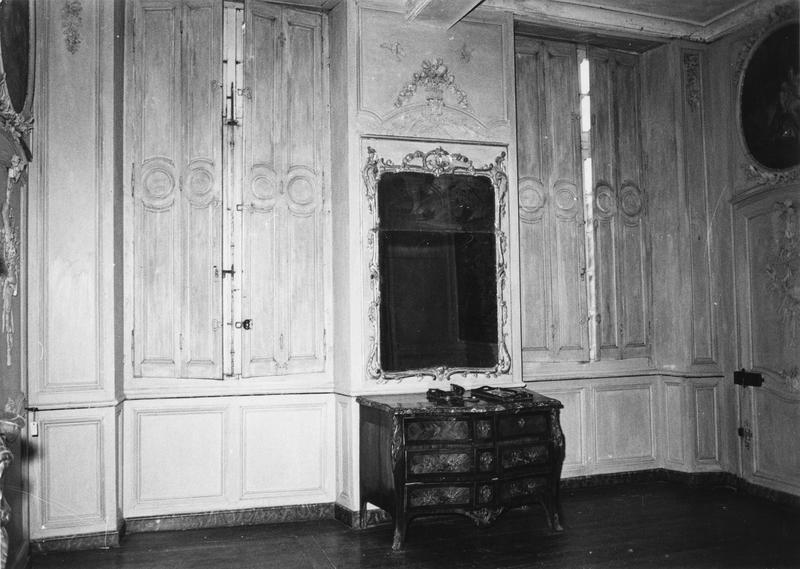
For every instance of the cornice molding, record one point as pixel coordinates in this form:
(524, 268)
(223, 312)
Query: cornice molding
(633, 24)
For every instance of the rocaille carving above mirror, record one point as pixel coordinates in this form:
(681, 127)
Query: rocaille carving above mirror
(437, 266)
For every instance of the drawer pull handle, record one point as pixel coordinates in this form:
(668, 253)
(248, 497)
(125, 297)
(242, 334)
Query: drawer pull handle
(521, 422)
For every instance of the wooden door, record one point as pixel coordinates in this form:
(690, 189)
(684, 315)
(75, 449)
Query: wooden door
(767, 268)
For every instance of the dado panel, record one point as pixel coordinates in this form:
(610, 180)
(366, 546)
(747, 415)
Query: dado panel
(624, 424)
(73, 489)
(286, 451)
(184, 454)
(224, 453)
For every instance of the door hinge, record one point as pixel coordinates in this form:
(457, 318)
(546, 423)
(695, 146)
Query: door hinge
(180, 342)
(133, 345)
(133, 177)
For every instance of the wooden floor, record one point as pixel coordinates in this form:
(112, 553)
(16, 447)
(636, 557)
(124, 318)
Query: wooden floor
(641, 525)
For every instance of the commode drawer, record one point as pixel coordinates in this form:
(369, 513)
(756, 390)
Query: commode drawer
(437, 430)
(522, 425)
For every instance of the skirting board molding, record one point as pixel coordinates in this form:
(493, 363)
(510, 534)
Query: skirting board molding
(100, 540)
(230, 518)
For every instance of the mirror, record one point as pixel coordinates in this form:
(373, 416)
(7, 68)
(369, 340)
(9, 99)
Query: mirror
(438, 266)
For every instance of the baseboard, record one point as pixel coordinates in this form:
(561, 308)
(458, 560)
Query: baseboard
(101, 540)
(21, 560)
(230, 518)
(353, 519)
(706, 479)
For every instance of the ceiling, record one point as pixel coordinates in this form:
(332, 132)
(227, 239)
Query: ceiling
(699, 20)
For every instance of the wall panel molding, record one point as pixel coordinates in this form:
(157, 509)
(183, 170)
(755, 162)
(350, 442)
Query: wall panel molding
(73, 464)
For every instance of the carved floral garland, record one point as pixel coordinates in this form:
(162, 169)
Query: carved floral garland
(783, 272)
(435, 78)
(9, 270)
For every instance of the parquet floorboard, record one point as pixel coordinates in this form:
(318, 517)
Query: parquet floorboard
(659, 524)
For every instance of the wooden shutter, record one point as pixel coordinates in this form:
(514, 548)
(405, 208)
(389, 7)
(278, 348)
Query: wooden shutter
(621, 247)
(282, 227)
(262, 185)
(551, 204)
(201, 185)
(304, 122)
(176, 144)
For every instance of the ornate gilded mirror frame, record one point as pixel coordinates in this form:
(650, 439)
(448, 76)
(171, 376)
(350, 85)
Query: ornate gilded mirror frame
(782, 17)
(16, 69)
(437, 162)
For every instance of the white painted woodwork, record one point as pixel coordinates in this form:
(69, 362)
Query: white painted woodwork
(475, 98)
(80, 498)
(177, 179)
(221, 453)
(70, 318)
(771, 457)
(706, 409)
(442, 13)
(552, 255)
(283, 222)
(696, 188)
(181, 245)
(624, 424)
(674, 431)
(621, 247)
(701, 21)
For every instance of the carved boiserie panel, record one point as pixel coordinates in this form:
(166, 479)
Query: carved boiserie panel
(434, 83)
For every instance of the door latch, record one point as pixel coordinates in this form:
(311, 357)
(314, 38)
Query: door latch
(746, 433)
(247, 324)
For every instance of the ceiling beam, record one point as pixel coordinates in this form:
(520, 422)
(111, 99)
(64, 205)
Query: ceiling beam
(439, 13)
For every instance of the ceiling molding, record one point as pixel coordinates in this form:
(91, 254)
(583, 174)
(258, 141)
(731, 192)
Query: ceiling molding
(600, 19)
(439, 13)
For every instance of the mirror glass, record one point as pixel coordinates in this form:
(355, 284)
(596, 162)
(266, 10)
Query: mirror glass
(438, 271)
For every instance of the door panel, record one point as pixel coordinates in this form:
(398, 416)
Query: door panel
(261, 191)
(202, 191)
(767, 257)
(157, 148)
